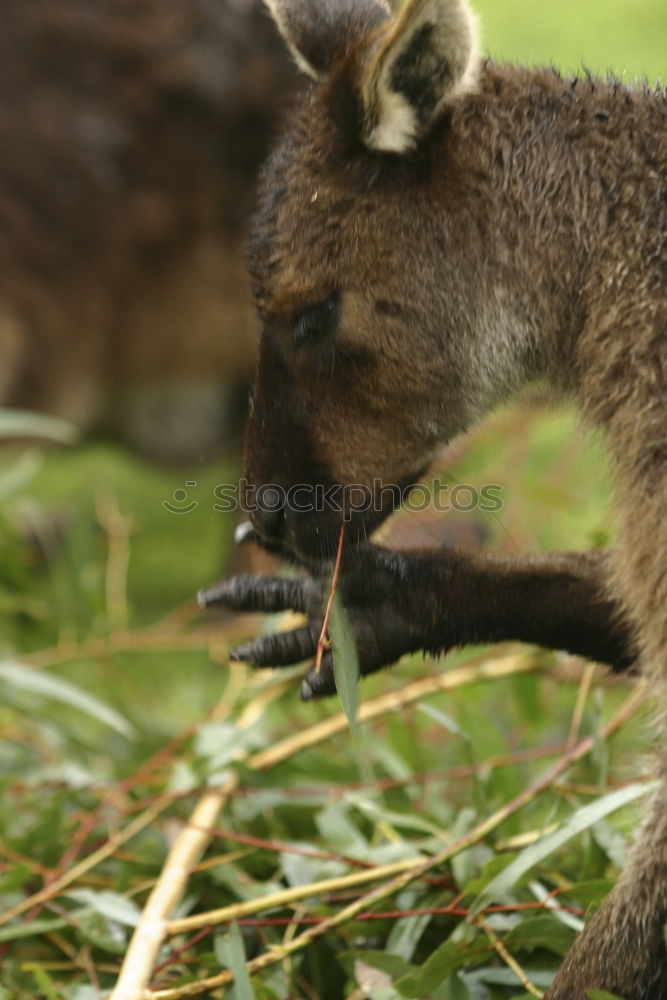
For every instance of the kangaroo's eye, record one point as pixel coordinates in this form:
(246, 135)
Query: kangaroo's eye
(316, 322)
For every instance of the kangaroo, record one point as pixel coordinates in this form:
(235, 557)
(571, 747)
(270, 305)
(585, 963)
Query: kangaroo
(131, 133)
(434, 231)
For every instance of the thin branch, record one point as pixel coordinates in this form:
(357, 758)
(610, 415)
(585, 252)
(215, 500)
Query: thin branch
(580, 704)
(508, 959)
(323, 641)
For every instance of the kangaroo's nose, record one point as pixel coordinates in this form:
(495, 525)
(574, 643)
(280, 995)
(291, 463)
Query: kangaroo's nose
(268, 517)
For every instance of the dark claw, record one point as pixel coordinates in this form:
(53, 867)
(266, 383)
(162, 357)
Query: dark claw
(306, 690)
(253, 592)
(280, 649)
(320, 684)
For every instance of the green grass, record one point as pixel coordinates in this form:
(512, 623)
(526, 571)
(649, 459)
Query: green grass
(96, 600)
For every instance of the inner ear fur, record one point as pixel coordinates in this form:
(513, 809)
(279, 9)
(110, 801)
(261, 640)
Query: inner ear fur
(426, 58)
(321, 32)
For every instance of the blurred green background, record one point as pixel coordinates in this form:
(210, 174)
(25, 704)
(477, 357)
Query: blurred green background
(616, 36)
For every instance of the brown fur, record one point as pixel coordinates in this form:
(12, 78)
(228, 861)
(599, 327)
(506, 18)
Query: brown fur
(519, 233)
(131, 131)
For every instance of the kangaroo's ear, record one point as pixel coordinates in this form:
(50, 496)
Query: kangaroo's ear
(427, 57)
(320, 31)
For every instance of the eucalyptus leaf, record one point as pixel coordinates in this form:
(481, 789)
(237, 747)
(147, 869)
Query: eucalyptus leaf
(107, 934)
(80, 991)
(108, 904)
(541, 932)
(230, 951)
(581, 820)
(48, 685)
(376, 984)
(43, 980)
(450, 956)
(406, 932)
(392, 965)
(561, 914)
(345, 659)
(31, 928)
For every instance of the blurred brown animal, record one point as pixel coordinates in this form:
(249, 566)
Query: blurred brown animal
(436, 231)
(131, 132)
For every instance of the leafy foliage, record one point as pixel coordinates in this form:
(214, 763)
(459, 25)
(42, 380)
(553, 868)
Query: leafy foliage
(116, 719)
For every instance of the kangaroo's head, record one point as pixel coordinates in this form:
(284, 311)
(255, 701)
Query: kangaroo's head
(369, 263)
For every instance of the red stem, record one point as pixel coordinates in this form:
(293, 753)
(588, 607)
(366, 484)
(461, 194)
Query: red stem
(322, 642)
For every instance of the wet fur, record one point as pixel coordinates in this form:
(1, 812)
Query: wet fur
(522, 236)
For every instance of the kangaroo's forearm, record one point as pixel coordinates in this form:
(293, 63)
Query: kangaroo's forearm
(558, 600)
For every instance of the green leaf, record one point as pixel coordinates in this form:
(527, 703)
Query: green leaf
(102, 932)
(48, 685)
(393, 965)
(581, 820)
(32, 928)
(110, 905)
(541, 932)
(376, 984)
(25, 424)
(80, 991)
(345, 659)
(591, 892)
(406, 932)
(493, 976)
(602, 995)
(555, 907)
(220, 743)
(43, 980)
(450, 956)
(230, 952)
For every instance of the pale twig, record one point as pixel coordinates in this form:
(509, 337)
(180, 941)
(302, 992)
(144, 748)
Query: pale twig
(508, 959)
(580, 704)
(286, 897)
(183, 856)
(168, 637)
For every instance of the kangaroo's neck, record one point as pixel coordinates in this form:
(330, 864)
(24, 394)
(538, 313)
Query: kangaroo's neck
(572, 176)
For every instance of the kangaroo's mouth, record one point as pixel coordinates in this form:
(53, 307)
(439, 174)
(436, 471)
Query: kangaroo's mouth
(309, 536)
